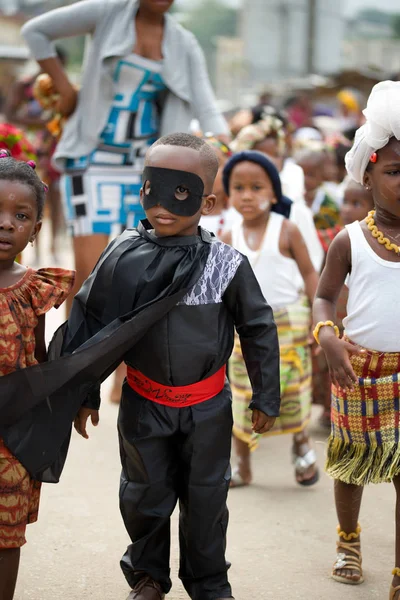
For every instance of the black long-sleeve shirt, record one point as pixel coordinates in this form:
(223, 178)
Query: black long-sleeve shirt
(194, 339)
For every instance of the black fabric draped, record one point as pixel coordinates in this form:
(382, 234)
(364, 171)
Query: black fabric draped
(138, 276)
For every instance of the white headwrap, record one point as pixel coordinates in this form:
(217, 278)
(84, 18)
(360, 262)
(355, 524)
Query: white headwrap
(383, 122)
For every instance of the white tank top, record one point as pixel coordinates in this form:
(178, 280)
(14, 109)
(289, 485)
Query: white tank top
(275, 273)
(373, 310)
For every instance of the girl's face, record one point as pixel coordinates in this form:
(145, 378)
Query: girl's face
(251, 191)
(156, 6)
(384, 179)
(357, 203)
(18, 218)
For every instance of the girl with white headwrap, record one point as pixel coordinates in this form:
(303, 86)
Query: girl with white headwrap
(365, 364)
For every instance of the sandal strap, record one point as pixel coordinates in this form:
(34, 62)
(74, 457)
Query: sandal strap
(350, 548)
(393, 591)
(347, 563)
(302, 463)
(351, 561)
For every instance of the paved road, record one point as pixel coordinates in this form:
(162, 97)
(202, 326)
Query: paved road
(281, 537)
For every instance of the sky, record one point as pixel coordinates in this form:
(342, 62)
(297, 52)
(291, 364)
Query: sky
(351, 6)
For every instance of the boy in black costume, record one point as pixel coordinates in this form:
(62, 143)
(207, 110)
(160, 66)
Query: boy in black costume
(175, 419)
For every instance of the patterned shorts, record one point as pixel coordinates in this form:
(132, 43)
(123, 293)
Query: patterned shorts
(19, 500)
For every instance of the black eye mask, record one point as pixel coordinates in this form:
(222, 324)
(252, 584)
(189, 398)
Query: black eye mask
(179, 192)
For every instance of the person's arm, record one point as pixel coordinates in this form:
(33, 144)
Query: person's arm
(337, 351)
(40, 343)
(299, 251)
(14, 101)
(257, 331)
(202, 94)
(302, 216)
(41, 32)
(82, 325)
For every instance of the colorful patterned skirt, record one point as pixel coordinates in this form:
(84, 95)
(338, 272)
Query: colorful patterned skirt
(19, 500)
(364, 442)
(293, 323)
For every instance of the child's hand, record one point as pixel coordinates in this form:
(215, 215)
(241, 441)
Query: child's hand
(261, 422)
(338, 354)
(81, 420)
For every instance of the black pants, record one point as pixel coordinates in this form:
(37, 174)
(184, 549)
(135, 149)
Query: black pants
(171, 454)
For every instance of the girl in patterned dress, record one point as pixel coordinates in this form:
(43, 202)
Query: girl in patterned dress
(25, 296)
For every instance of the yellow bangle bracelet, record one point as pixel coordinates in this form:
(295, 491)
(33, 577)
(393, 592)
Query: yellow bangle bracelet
(325, 324)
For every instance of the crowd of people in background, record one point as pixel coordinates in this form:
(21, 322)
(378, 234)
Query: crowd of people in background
(282, 196)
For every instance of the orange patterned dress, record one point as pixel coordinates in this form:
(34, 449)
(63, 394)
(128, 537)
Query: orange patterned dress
(20, 306)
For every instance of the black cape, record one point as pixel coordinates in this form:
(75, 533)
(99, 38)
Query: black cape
(139, 277)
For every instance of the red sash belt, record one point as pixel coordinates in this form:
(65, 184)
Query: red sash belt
(179, 396)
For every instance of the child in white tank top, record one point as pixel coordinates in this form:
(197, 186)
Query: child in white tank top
(276, 250)
(365, 364)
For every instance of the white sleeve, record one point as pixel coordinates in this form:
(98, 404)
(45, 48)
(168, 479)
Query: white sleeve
(301, 215)
(78, 19)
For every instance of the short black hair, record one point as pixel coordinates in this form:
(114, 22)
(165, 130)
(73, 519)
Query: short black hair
(17, 170)
(207, 155)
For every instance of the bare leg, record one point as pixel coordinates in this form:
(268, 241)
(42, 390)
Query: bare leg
(56, 214)
(243, 462)
(396, 579)
(9, 563)
(119, 376)
(87, 250)
(348, 503)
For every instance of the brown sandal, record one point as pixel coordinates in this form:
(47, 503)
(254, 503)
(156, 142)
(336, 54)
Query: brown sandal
(348, 561)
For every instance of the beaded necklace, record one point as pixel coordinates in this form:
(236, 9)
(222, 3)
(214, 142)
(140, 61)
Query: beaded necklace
(378, 235)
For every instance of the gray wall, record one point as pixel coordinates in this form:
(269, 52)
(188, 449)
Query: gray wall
(275, 34)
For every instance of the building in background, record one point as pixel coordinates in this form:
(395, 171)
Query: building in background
(291, 38)
(280, 40)
(372, 41)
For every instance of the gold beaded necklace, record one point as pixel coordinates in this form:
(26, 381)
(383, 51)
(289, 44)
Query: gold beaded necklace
(378, 235)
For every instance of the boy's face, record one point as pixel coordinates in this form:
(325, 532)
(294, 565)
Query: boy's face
(357, 203)
(164, 222)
